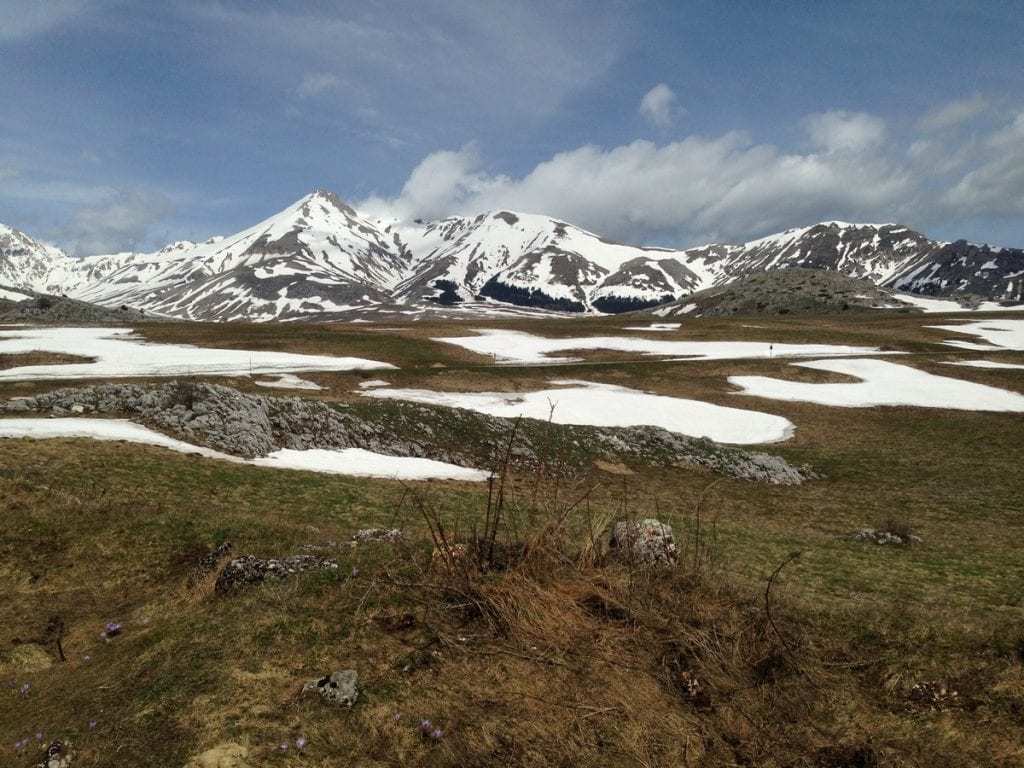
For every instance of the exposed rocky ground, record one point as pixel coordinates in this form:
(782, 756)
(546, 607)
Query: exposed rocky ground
(253, 425)
(45, 309)
(795, 291)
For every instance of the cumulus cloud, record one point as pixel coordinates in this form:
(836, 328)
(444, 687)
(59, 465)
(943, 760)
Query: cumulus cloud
(839, 131)
(659, 105)
(725, 187)
(120, 223)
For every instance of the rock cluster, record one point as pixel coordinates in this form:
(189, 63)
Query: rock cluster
(647, 542)
(885, 538)
(250, 425)
(58, 755)
(250, 569)
(377, 534)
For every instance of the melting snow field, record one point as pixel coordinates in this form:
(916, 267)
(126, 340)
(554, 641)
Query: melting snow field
(288, 381)
(350, 461)
(605, 405)
(987, 364)
(883, 383)
(1000, 335)
(117, 354)
(518, 347)
(356, 461)
(935, 306)
(654, 327)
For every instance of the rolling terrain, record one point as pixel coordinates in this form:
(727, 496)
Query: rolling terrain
(778, 639)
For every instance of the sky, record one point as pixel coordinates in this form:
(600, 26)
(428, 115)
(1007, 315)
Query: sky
(130, 124)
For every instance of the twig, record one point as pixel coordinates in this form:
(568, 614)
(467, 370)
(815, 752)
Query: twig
(768, 603)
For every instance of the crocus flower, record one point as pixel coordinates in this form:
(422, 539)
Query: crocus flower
(113, 628)
(425, 726)
(300, 742)
(92, 725)
(25, 689)
(398, 716)
(437, 734)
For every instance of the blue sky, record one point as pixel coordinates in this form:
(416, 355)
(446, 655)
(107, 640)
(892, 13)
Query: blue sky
(132, 124)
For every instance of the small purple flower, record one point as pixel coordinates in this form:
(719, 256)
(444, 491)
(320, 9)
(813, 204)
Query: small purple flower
(21, 744)
(426, 725)
(25, 689)
(113, 628)
(300, 742)
(10, 683)
(39, 735)
(87, 658)
(283, 746)
(355, 572)
(397, 716)
(437, 734)
(92, 725)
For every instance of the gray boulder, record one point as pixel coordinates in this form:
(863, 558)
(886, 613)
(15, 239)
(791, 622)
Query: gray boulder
(340, 688)
(647, 542)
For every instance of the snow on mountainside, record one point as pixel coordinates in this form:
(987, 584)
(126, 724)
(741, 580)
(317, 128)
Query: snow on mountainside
(531, 260)
(315, 257)
(319, 259)
(24, 262)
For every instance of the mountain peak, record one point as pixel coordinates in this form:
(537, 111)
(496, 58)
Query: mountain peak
(326, 196)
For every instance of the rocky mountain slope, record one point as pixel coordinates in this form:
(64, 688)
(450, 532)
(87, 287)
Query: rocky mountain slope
(319, 259)
(795, 290)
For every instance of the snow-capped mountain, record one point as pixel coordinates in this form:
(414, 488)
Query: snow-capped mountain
(532, 260)
(319, 259)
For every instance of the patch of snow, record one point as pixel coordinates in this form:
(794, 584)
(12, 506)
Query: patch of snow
(351, 461)
(883, 383)
(356, 461)
(103, 429)
(935, 306)
(520, 348)
(117, 354)
(654, 327)
(1001, 334)
(374, 383)
(606, 405)
(987, 364)
(288, 381)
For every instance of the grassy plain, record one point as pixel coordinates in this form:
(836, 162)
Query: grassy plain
(847, 656)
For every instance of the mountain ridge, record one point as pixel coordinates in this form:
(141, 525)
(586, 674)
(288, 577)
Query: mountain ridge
(319, 259)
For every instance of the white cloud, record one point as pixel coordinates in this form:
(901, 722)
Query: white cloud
(725, 187)
(659, 105)
(119, 223)
(996, 186)
(839, 131)
(954, 113)
(315, 83)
